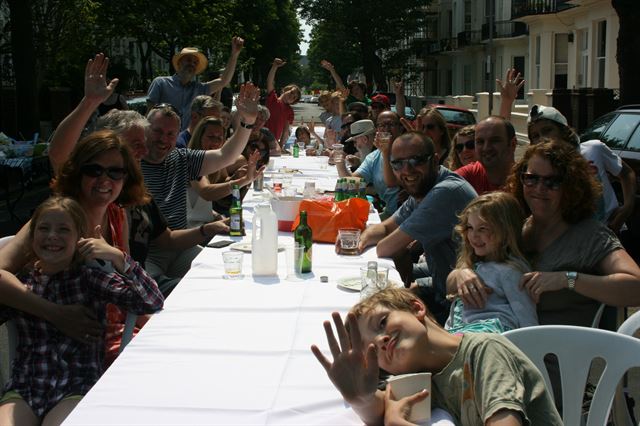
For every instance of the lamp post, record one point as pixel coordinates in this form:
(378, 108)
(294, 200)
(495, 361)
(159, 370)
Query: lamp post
(491, 78)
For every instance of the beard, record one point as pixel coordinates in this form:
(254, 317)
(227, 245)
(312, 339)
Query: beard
(364, 151)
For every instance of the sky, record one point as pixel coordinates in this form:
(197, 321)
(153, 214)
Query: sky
(306, 33)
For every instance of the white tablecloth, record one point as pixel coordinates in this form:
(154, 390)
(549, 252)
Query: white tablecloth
(233, 351)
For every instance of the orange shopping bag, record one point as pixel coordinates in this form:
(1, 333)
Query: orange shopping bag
(325, 217)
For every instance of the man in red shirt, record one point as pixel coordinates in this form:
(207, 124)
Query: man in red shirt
(495, 147)
(280, 106)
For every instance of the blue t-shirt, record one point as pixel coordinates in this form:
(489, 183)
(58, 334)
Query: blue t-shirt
(183, 139)
(170, 90)
(431, 222)
(371, 171)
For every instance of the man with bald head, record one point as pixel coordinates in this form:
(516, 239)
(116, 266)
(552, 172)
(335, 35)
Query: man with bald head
(495, 147)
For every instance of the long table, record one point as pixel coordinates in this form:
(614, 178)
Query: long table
(235, 352)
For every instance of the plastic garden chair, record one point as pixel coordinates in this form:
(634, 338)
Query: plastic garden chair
(621, 413)
(575, 349)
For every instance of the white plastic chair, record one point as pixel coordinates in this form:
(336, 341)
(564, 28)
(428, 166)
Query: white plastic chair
(575, 349)
(620, 410)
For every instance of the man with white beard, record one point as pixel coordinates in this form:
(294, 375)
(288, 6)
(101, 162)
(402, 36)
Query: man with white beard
(372, 166)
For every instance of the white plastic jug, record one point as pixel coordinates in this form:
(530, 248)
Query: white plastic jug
(264, 241)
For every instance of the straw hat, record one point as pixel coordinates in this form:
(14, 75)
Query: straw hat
(202, 60)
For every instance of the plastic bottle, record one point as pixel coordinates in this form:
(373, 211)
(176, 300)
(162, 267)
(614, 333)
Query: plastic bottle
(302, 235)
(235, 213)
(264, 241)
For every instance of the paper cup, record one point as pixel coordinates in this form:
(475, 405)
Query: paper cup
(409, 384)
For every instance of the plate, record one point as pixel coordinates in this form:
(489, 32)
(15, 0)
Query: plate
(355, 283)
(246, 246)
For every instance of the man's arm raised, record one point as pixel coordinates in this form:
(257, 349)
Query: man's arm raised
(247, 107)
(219, 83)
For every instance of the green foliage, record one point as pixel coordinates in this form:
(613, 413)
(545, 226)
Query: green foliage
(358, 33)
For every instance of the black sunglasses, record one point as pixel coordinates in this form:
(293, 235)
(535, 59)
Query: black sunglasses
(550, 182)
(430, 126)
(415, 161)
(470, 144)
(387, 125)
(165, 105)
(96, 170)
(346, 125)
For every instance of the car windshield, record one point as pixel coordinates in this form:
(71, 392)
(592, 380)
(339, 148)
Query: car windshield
(595, 130)
(457, 117)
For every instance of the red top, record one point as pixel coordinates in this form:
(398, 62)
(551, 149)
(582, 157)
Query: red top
(476, 175)
(281, 115)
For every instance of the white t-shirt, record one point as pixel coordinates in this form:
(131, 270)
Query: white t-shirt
(600, 156)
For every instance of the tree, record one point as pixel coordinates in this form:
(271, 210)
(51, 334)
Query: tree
(374, 27)
(626, 55)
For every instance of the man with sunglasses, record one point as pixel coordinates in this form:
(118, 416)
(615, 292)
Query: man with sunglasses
(495, 146)
(436, 196)
(181, 88)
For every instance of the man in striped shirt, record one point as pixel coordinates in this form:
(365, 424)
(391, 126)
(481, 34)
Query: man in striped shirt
(168, 172)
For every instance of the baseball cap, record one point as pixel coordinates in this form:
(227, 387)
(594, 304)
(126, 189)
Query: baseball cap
(381, 99)
(539, 112)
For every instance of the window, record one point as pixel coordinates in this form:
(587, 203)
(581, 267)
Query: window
(583, 70)
(620, 130)
(634, 142)
(467, 15)
(537, 61)
(561, 60)
(601, 52)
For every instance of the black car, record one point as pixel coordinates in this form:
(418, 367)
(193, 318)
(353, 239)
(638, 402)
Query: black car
(620, 130)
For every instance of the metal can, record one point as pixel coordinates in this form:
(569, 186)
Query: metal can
(258, 183)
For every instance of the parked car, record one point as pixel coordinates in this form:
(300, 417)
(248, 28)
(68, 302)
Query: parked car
(409, 113)
(138, 104)
(620, 130)
(455, 117)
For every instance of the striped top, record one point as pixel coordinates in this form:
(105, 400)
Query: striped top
(168, 182)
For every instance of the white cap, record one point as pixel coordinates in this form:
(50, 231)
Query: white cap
(539, 112)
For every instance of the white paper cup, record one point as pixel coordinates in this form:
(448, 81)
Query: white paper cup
(409, 384)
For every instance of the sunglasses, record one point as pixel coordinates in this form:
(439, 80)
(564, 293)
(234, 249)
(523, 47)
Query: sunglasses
(550, 182)
(430, 126)
(412, 162)
(165, 105)
(346, 125)
(96, 170)
(470, 144)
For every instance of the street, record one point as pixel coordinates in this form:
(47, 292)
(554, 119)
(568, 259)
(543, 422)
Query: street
(306, 112)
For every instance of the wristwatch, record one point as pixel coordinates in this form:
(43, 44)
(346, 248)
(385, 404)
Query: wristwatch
(245, 125)
(572, 276)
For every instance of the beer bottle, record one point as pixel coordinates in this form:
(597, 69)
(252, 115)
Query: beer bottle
(235, 213)
(302, 235)
(296, 149)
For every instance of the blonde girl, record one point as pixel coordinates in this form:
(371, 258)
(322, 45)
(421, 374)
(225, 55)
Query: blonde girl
(51, 371)
(490, 230)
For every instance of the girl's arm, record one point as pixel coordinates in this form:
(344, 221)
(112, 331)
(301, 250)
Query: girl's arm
(134, 290)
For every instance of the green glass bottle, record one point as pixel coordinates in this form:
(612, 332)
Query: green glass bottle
(302, 235)
(235, 213)
(296, 150)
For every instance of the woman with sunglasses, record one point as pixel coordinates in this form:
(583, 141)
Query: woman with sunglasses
(464, 148)
(579, 263)
(431, 122)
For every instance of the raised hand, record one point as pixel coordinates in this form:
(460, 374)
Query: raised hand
(511, 85)
(277, 62)
(354, 370)
(327, 65)
(96, 87)
(398, 87)
(237, 44)
(254, 157)
(409, 126)
(247, 102)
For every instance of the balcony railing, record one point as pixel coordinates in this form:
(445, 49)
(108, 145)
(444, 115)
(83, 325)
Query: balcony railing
(469, 38)
(504, 29)
(520, 8)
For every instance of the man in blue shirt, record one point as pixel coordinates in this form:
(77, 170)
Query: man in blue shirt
(180, 89)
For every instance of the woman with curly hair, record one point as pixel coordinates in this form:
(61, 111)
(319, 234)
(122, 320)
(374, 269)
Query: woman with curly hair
(578, 262)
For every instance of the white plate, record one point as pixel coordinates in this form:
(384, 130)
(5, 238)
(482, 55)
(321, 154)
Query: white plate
(355, 283)
(246, 246)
